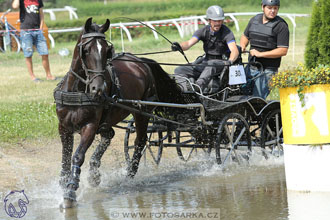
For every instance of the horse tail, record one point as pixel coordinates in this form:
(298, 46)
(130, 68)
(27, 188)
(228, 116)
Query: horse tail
(166, 87)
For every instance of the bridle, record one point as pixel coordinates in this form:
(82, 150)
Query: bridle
(89, 72)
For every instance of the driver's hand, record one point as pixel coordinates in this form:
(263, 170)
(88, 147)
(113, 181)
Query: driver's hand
(176, 47)
(228, 62)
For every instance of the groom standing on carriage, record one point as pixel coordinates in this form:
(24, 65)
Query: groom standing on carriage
(268, 36)
(218, 43)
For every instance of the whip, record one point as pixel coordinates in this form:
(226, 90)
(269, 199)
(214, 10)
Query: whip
(132, 19)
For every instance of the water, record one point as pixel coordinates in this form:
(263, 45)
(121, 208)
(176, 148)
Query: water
(254, 191)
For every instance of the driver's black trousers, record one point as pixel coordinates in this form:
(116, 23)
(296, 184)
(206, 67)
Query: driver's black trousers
(200, 74)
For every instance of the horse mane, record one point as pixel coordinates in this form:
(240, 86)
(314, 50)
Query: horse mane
(167, 88)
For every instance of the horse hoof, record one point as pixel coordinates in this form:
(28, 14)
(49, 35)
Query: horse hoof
(94, 178)
(63, 182)
(68, 204)
(130, 175)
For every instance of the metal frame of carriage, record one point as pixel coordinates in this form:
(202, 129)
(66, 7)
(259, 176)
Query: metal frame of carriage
(225, 122)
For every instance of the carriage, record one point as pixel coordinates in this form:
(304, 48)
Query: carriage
(222, 119)
(102, 89)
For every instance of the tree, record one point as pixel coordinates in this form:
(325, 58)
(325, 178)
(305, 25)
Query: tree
(312, 52)
(318, 44)
(324, 45)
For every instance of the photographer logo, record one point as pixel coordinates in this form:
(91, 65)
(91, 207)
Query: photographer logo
(15, 204)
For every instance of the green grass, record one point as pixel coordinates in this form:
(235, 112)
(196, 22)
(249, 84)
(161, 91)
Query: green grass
(172, 8)
(27, 120)
(27, 109)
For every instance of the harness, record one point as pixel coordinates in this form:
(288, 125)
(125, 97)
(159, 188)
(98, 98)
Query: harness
(84, 98)
(88, 72)
(77, 99)
(117, 57)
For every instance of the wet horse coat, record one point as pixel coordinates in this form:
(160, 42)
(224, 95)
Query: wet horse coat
(91, 76)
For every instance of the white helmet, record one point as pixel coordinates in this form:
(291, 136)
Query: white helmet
(215, 13)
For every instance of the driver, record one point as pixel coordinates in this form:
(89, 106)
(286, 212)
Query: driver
(268, 35)
(218, 43)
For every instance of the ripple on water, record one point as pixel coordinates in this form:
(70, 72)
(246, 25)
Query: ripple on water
(199, 183)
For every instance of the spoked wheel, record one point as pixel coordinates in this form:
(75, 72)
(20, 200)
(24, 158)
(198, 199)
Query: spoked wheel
(188, 146)
(154, 143)
(272, 134)
(233, 136)
(129, 141)
(185, 138)
(14, 46)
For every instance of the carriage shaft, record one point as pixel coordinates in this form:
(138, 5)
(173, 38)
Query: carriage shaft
(173, 105)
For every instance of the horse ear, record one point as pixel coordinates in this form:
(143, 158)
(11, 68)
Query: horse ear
(88, 24)
(105, 26)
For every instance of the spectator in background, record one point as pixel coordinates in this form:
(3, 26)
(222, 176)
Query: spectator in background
(32, 23)
(268, 35)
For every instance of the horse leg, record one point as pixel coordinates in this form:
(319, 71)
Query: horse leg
(140, 141)
(94, 178)
(87, 136)
(67, 148)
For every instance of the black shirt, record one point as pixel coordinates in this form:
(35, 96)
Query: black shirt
(30, 13)
(281, 31)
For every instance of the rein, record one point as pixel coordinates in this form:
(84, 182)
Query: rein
(150, 53)
(226, 63)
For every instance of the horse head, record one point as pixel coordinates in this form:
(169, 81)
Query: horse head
(90, 57)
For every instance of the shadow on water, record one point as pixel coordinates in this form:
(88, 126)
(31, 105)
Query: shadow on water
(255, 191)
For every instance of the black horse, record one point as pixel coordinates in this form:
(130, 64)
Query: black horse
(85, 110)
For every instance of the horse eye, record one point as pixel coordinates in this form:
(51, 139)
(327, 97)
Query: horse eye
(86, 51)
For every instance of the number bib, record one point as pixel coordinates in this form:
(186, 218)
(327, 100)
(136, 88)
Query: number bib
(236, 75)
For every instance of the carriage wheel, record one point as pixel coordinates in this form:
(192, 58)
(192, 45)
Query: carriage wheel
(234, 136)
(272, 134)
(188, 146)
(129, 141)
(154, 144)
(185, 138)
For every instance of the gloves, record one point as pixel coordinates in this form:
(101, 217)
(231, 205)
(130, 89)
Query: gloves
(227, 62)
(176, 47)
